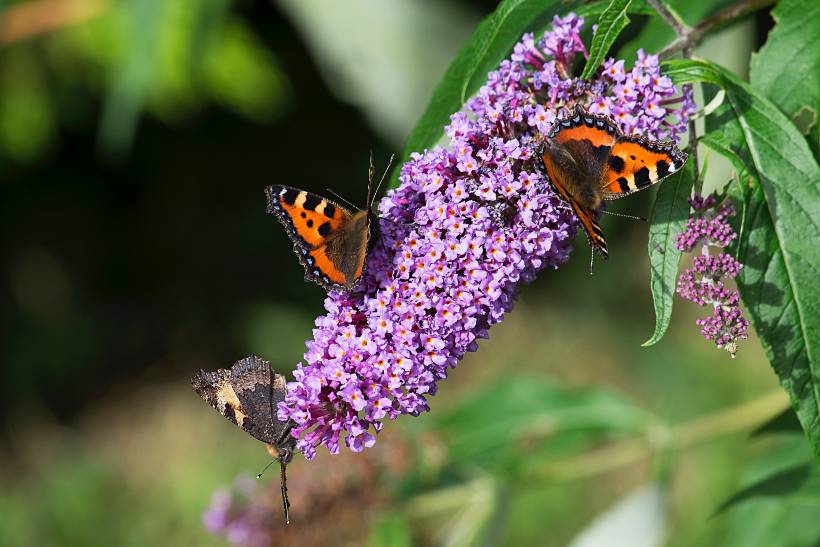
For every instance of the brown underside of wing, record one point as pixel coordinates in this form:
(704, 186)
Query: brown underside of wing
(339, 264)
(559, 180)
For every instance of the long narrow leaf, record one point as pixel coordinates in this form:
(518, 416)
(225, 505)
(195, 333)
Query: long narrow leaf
(669, 216)
(613, 20)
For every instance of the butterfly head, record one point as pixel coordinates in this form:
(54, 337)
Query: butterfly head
(283, 450)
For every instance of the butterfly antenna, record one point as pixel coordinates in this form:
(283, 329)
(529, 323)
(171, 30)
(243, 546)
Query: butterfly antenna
(386, 169)
(341, 198)
(259, 475)
(633, 217)
(371, 169)
(283, 477)
(591, 258)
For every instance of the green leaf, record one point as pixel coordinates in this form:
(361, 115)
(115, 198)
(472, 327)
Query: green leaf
(782, 211)
(637, 7)
(787, 67)
(814, 141)
(612, 21)
(132, 79)
(668, 218)
(776, 508)
(491, 42)
(687, 71)
(531, 411)
(390, 530)
(785, 422)
(800, 483)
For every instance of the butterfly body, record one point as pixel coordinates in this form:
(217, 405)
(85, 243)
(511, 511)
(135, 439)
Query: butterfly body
(588, 160)
(330, 241)
(247, 395)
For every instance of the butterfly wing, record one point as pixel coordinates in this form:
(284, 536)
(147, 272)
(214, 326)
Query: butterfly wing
(574, 156)
(247, 396)
(636, 163)
(323, 235)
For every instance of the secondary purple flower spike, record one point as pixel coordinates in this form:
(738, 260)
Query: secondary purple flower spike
(467, 224)
(703, 282)
(242, 523)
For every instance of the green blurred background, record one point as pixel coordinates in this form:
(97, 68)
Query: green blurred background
(136, 137)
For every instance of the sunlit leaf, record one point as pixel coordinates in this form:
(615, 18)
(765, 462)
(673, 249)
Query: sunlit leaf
(787, 67)
(779, 249)
(611, 23)
(668, 218)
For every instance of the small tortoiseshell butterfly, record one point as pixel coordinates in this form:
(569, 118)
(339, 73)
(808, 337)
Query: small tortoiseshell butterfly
(588, 160)
(247, 396)
(330, 241)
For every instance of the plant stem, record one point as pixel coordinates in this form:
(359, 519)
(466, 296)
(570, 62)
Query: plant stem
(693, 137)
(688, 37)
(672, 19)
(663, 438)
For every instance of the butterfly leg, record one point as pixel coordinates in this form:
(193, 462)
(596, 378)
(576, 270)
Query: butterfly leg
(622, 215)
(283, 481)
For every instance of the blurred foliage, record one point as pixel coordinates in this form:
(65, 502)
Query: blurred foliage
(169, 58)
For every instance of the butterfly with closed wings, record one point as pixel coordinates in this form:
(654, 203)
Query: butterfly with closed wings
(588, 159)
(247, 395)
(330, 241)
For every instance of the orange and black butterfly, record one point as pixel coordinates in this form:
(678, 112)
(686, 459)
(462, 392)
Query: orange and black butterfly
(330, 241)
(589, 160)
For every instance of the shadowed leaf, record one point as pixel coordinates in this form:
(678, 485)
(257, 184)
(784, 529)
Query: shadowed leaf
(799, 484)
(785, 422)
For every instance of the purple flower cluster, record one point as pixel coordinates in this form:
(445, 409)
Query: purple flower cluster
(466, 225)
(708, 226)
(703, 282)
(233, 515)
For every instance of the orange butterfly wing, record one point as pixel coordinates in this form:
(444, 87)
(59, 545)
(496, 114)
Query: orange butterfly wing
(312, 223)
(309, 219)
(636, 163)
(600, 132)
